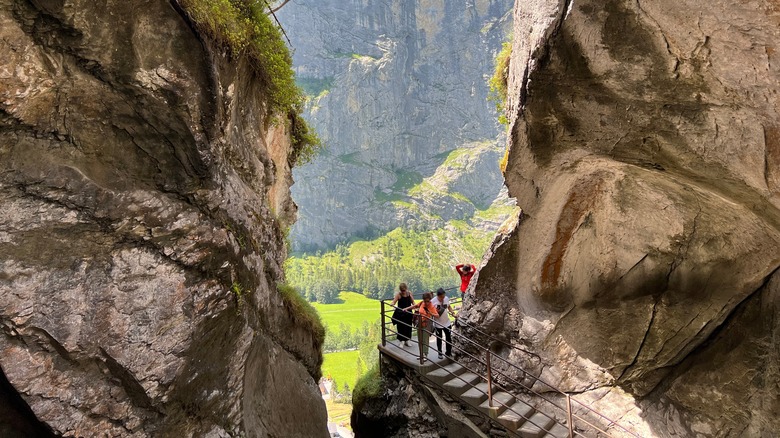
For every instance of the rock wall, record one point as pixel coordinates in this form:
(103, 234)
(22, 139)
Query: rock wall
(144, 194)
(396, 88)
(644, 154)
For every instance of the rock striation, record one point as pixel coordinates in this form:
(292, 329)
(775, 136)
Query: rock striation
(144, 192)
(396, 88)
(645, 155)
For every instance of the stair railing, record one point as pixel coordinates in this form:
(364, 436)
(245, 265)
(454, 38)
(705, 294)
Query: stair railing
(472, 385)
(578, 404)
(570, 415)
(490, 384)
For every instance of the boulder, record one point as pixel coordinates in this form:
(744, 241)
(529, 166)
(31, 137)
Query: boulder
(644, 154)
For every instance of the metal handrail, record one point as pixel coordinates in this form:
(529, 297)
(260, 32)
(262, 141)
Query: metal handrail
(554, 389)
(473, 386)
(554, 404)
(492, 338)
(530, 389)
(538, 379)
(490, 383)
(570, 415)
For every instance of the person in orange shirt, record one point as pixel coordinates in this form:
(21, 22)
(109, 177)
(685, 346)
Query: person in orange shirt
(466, 272)
(427, 313)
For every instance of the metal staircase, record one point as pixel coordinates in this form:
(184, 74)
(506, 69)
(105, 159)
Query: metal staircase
(535, 410)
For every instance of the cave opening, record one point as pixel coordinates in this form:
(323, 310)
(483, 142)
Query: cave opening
(17, 420)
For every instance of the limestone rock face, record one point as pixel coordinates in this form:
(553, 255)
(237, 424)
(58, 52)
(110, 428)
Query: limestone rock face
(143, 200)
(397, 87)
(645, 155)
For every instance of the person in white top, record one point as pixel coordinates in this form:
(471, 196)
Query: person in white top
(442, 323)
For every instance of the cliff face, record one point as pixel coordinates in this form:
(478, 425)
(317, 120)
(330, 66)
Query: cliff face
(143, 200)
(645, 155)
(396, 89)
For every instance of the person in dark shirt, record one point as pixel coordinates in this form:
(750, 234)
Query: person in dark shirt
(401, 318)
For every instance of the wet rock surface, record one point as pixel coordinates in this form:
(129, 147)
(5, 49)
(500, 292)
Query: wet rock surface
(643, 272)
(144, 194)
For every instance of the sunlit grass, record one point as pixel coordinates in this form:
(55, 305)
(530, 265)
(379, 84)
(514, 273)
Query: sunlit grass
(339, 413)
(354, 309)
(341, 366)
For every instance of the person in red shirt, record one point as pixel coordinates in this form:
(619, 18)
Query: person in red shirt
(466, 272)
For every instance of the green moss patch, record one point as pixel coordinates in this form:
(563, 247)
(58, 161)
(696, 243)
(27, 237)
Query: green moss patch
(302, 311)
(499, 81)
(244, 28)
(369, 385)
(313, 87)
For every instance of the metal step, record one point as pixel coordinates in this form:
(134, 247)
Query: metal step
(462, 383)
(558, 431)
(476, 395)
(446, 373)
(515, 416)
(501, 401)
(536, 426)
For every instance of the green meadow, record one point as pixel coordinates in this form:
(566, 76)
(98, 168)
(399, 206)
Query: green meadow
(351, 312)
(339, 413)
(353, 309)
(342, 367)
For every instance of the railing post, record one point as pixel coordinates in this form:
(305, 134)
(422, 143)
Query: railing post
(384, 335)
(489, 378)
(419, 338)
(571, 423)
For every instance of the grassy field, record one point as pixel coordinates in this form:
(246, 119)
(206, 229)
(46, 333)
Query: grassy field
(339, 413)
(354, 309)
(341, 366)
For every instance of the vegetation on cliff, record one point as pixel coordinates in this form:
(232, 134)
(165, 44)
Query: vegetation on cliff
(498, 91)
(302, 311)
(499, 81)
(369, 385)
(424, 260)
(245, 29)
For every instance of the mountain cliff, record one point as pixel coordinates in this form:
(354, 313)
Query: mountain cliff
(145, 189)
(644, 153)
(399, 96)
